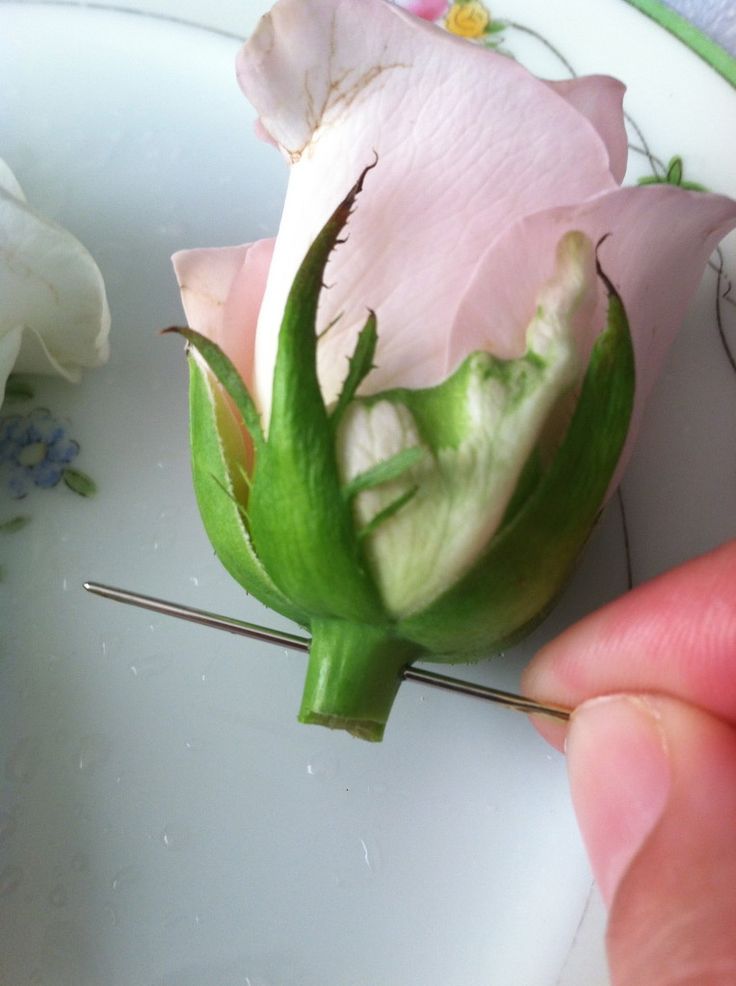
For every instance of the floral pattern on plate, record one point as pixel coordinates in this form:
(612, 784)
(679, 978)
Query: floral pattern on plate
(37, 451)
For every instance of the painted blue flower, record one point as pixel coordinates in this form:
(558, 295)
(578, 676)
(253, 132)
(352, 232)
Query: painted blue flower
(35, 450)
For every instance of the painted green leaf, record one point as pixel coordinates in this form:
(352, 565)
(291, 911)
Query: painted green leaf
(674, 171)
(79, 482)
(14, 524)
(674, 175)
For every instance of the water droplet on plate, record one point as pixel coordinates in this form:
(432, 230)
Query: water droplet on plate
(93, 752)
(178, 920)
(323, 765)
(124, 878)
(150, 665)
(371, 854)
(23, 761)
(175, 837)
(11, 878)
(111, 914)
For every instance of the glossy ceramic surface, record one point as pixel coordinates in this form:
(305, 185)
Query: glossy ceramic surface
(163, 819)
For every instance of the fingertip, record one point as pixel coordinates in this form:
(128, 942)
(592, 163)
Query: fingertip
(619, 779)
(553, 731)
(672, 911)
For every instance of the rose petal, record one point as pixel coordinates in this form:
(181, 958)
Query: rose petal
(222, 290)
(661, 239)
(430, 10)
(51, 288)
(323, 76)
(9, 349)
(600, 99)
(9, 183)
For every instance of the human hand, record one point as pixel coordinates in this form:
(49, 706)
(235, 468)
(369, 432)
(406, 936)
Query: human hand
(651, 751)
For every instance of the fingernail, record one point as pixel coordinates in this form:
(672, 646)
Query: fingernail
(619, 777)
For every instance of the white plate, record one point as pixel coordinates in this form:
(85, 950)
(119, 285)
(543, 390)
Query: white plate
(164, 820)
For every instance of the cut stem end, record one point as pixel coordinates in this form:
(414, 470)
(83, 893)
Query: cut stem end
(353, 676)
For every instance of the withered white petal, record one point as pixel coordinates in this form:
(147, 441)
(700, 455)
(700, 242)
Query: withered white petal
(462, 489)
(54, 315)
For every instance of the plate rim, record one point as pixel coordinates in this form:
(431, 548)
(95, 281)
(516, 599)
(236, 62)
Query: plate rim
(693, 37)
(690, 35)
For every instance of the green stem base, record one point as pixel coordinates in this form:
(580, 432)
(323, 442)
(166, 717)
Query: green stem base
(353, 676)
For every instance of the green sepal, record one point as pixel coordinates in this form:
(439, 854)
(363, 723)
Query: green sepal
(388, 512)
(301, 523)
(530, 559)
(384, 472)
(224, 370)
(531, 476)
(353, 676)
(219, 451)
(359, 366)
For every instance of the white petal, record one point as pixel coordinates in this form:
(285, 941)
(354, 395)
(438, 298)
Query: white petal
(463, 485)
(9, 349)
(52, 288)
(9, 183)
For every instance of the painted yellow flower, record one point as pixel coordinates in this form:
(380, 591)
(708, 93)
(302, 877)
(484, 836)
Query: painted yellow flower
(468, 18)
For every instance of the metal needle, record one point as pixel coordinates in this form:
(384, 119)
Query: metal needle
(294, 642)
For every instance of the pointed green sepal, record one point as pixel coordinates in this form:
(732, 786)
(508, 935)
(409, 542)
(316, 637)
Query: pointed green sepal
(384, 472)
(359, 366)
(228, 376)
(220, 448)
(301, 523)
(530, 559)
(389, 511)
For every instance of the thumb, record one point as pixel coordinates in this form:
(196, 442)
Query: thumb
(653, 781)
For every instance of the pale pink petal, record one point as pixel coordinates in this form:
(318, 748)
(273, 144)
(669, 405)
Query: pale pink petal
(222, 290)
(9, 183)
(600, 98)
(661, 239)
(205, 277)
(430, 10)
(467, 142)
(262, 134)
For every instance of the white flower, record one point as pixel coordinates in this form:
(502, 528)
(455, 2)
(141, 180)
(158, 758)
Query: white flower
(54, 316)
